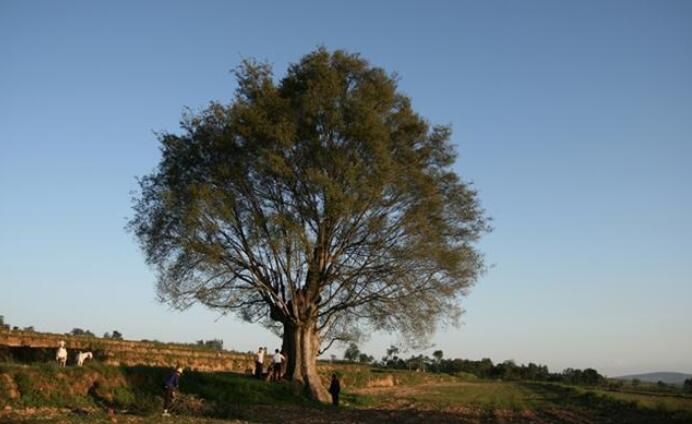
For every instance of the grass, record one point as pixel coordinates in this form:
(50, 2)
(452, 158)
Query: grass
(213, 398)
(139, 389)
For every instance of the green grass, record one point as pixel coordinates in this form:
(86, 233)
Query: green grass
(205, 398)
(139, 389)
(483, 395)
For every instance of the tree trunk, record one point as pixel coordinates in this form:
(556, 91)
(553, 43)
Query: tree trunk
(301, 344)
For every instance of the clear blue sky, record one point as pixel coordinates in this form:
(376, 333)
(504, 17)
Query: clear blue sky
(573, 119)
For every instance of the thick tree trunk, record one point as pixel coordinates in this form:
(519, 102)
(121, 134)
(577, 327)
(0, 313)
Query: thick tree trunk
(301, 344)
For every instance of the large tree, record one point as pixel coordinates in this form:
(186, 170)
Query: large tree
(320, 203)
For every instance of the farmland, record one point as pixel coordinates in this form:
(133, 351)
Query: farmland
(44, 393)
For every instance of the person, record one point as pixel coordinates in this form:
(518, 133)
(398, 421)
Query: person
(277, 361)
(334, 389)
(259, 363)
(170, 385)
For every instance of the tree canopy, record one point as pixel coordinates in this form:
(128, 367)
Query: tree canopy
(320, 202)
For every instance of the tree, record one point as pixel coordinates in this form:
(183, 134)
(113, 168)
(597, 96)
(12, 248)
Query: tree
(80, 332)
(365, 358)
(117, 335)
(687, 385)
(392, 351)
(438, 355)
(320, 205)
(214, 344)
(351, 354)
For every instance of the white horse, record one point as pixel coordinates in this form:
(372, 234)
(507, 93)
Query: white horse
(61, 355)
(83, 356)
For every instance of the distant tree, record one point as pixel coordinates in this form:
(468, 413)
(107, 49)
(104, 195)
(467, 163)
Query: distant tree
(321, 204)
(687, 385)
(636, 382)
(661, 385)
(392, 351)
(117, 335)
(438, 355)
(211, 344)
(352, 352)
(332, 358)
(29, 328)
(591, 377)
(214, 344)
(365, 358)
(534, 372)
(80, 332)
(107, 335)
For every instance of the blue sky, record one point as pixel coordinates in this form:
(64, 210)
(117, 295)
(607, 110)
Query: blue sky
(574, 121)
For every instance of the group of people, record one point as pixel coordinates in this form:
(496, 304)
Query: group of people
(275, 373)
(275, 368)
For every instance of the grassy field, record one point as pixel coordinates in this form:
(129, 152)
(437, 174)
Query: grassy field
(84, 395)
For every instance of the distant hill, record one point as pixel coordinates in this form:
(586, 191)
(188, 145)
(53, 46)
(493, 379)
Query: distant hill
(655, 377)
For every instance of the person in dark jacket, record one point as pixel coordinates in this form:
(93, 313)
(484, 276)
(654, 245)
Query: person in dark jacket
(170, 385)
(334, 389)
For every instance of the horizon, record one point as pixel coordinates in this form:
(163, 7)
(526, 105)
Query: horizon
(573, 121)
(325, 357)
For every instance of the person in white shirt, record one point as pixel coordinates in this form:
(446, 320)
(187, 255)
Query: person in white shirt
(277, 362)
(259, 363)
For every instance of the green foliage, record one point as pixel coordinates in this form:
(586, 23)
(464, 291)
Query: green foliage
(364, 358)
(323, 188)
(80, 332)
(216, 344)
(352, 352)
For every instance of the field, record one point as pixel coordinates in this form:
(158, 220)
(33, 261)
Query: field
(47, 394)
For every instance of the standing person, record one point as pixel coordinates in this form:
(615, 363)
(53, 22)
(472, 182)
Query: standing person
(259, 363)
(334, 389)
(170, 385)
(277, 361)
